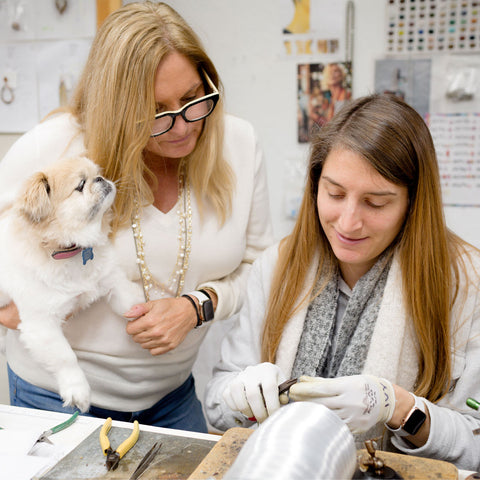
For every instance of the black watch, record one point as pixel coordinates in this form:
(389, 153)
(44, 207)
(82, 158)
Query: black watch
(413, 421)
(206, 304)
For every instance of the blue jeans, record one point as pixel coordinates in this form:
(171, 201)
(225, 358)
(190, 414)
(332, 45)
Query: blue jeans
(180, 409)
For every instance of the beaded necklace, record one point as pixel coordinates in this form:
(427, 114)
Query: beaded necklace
(174, 286)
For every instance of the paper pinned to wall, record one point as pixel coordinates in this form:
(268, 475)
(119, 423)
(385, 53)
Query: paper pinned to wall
(313, 27)
(455, 84)
(407, 79)
(457, 143)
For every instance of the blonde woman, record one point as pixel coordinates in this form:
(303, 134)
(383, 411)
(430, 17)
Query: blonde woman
(334, 88)
(190, 216)
(371, 302)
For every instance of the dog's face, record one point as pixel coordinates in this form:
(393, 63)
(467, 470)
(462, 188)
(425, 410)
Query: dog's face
(66, 203)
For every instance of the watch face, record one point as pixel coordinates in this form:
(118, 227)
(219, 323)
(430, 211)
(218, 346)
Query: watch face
(208, 312)
(414, 422)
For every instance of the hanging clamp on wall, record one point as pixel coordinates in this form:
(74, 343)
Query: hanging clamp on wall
(6, 92)
(61, 5)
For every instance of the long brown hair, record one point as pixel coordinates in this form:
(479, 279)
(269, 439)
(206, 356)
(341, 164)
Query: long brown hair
(114, 101)
(395, 140)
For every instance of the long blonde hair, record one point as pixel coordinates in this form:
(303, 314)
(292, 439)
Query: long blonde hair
(395, 140)
(114, 101)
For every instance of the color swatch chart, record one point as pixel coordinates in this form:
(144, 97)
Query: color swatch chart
(457, 143)
(426, 26)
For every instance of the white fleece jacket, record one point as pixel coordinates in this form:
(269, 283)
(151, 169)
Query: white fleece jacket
(392, 355)
(122, 375)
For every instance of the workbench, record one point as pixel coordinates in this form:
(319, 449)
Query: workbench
(76, 449)
(20, 424)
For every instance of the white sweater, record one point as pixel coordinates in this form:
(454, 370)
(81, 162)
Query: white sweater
(392, 355)
(123, 376)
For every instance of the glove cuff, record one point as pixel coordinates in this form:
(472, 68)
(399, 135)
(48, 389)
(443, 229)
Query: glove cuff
(387, 400)
(413, 420)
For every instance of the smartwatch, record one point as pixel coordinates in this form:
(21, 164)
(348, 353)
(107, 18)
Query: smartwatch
(413, 420)
(206, 305)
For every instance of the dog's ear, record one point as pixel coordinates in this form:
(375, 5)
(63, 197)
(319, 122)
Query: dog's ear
(36, 204)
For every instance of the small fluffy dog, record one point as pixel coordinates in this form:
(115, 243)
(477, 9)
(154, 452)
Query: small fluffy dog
(55, 259)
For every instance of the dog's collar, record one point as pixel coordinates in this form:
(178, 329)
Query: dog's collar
(87, 253)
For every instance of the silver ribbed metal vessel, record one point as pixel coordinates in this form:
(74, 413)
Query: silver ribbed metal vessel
(301, 441)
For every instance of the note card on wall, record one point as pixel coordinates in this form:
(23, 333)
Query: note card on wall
(457, 142)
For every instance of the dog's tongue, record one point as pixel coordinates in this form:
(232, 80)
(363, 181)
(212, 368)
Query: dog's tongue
(66, 253)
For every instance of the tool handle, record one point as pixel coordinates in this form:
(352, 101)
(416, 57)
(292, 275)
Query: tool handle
(104, 441)
(472, 403)
(127, 444)
(65, 424)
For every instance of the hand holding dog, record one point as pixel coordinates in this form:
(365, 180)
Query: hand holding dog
(9, 316)
(161, 325)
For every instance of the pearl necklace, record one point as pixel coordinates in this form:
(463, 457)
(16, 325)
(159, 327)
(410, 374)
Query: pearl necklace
(176, 281)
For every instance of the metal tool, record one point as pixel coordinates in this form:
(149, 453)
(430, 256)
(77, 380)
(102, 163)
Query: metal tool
(146, 461)
(57, 428)
(285, 386)
(114, 456)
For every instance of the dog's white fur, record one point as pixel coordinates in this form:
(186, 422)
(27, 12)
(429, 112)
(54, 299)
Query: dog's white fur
(66, 204)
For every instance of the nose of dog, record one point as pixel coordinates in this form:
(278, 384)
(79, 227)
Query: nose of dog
(106, 186)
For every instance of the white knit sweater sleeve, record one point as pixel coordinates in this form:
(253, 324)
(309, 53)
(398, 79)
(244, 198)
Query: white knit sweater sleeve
(241, 346)
(451, 421)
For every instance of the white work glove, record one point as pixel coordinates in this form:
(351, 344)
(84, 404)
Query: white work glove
(254, 391)
(361, 401)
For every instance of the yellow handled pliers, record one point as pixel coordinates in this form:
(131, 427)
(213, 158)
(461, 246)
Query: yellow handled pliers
(114, 456)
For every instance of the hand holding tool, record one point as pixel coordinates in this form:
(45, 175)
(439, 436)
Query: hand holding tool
(254, 391)
(114, 456)
(361, 401)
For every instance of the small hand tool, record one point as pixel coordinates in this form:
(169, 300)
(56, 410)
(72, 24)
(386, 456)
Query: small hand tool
(114, 456)
(57, 428)
(146, 461)
(284, 387)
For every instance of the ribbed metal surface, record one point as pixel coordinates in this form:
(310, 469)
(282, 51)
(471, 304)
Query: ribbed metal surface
(300, 441)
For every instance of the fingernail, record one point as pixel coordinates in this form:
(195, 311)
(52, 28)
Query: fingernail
(131, 312)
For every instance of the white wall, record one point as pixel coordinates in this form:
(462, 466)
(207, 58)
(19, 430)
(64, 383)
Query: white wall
(243, 40)
(260, 85)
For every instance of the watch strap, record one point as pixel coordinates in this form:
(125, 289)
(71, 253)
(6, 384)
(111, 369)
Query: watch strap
(192, 301)
(206, 293)
(417, 406)
(206, 304)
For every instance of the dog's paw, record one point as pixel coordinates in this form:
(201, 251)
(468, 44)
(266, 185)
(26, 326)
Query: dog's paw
(75, 391)
(122, 300)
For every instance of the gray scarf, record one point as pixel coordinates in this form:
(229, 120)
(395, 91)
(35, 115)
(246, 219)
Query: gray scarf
(314, 356)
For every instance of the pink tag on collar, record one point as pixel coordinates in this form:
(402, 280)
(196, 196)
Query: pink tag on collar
(67, 253)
